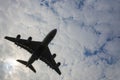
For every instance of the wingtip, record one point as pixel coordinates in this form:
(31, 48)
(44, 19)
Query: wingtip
(5, 37)
(35, 72)
(59, 73)
(18, 60)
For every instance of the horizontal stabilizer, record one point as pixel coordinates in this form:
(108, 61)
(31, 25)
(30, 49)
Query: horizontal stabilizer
(25, 63)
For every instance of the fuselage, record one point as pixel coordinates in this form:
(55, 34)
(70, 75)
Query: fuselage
(40, 50)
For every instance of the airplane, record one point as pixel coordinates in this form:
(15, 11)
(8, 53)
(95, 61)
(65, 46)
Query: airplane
(39, 50)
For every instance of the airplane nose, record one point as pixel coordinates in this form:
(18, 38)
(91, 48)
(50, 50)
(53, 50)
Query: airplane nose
(55, 30)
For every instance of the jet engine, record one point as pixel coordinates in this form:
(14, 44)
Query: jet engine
(58, 64)
(18, 37)
(29, 39)
(54, 55)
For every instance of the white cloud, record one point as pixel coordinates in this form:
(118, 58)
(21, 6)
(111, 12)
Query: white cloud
(87, 42)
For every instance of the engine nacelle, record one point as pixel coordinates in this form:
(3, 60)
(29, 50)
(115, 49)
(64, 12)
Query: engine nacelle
(29, 39)
(54, 55)
(18, 37)
(58, 64)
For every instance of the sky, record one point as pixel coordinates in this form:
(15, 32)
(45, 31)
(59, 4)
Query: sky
(87, 42)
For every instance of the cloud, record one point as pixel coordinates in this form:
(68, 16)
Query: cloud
(87, 42)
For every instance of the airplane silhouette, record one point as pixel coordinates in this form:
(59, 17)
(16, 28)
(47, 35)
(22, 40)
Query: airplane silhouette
(39, 50)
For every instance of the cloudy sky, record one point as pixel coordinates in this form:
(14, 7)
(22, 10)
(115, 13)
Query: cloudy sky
(87, 42)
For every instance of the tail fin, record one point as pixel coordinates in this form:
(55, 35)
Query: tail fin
(25, 63)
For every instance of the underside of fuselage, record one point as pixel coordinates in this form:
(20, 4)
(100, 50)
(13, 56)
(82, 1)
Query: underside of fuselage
(36, 55)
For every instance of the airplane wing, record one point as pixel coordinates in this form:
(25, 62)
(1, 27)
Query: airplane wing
(29, 46)
(47, 57)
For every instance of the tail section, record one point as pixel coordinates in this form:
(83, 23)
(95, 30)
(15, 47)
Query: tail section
(25, 63)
